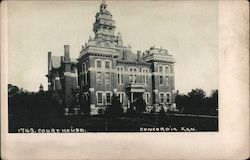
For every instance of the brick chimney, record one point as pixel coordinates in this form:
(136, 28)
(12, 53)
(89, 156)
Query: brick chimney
(66, 54)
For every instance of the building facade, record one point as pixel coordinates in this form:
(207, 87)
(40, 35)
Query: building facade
(106, 67)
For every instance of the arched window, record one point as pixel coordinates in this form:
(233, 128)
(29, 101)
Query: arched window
(167, 69)
(160, 68)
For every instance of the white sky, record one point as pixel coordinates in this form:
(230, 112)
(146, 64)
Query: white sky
(188, 29)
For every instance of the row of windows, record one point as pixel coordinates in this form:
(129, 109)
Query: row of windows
(120, 78)
(103, 96)
(166, 80)
(107, 65)
(121, 96)
(133, 69)
(162, 99)
(100, 64)
(107, 77)
(163, 69)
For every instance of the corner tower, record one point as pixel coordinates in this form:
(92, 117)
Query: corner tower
(104, 26)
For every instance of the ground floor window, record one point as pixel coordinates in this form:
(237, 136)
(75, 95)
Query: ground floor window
(161, 98)
(99, 98)
(168, 97)
(108, 98)
(121, 97)
(146, 97)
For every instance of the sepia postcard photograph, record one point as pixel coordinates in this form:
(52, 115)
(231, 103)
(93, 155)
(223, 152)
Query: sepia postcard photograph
(113, 67)
(110, 66)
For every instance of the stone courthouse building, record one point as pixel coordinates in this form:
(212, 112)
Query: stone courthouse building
(106, 67)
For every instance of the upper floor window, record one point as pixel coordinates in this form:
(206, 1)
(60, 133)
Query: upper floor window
(120, 75)
(83, 67)
(107, 77)
(145, 72)
(160, 69)
(161, 80)
(99, 77)
(87, 65)
(133, 69)
(107, 64)
(167, 80)
(167, 69)
(132, 76)
(98, 63)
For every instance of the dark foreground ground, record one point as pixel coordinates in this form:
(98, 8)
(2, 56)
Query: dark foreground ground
(145, 123)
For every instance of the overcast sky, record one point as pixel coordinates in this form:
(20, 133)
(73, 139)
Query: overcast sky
(187, 29)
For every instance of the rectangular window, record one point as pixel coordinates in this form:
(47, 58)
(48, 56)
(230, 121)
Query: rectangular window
(166, 80)
(144, 79)
(107, 64)
(147, 81)
(108, 98)
(146, 98)
(99, 98)
(99, 77)
(119, 78)
(131, 78)
(121, 97)
(168, 98)
(107, 77)
(161, 80)
(161, 98)
(99, 64)
(134, 79)
(86, 78)
(87, 66)
(83, 79)
(83, 67)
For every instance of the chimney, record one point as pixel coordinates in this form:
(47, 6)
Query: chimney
(138, 55)
(49, 61)
(66, 54)
(62, 59)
